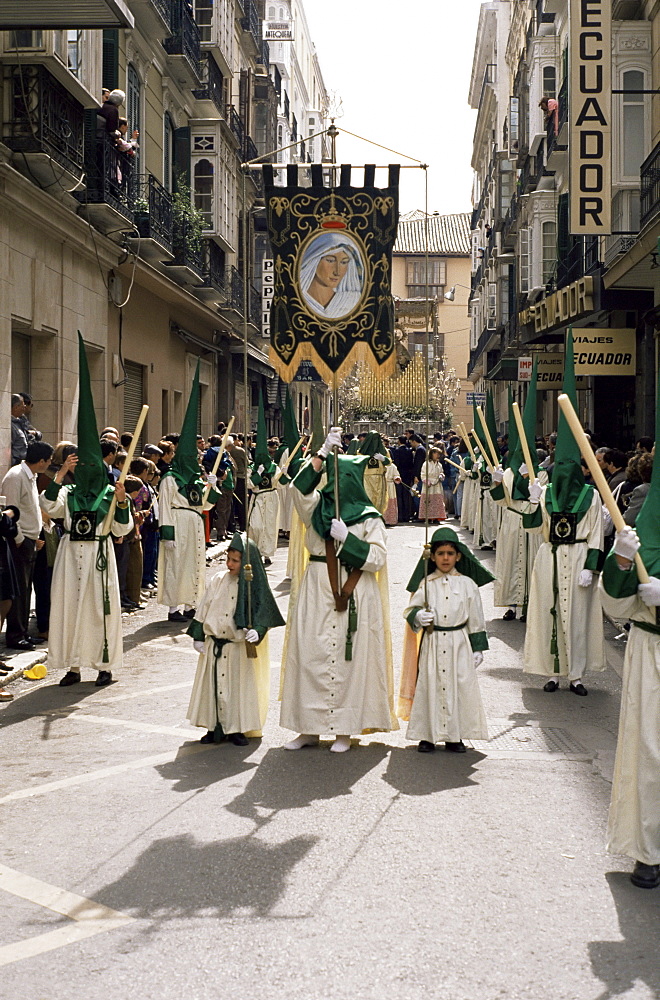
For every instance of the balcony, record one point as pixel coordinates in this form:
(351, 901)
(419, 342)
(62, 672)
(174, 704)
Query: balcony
(235, 290)
(251, 26)
(152, 17)
(44, 128)
(184, 44)
(617, 244)
(580, 258)
(264, 58)
(235, 123)
(650, 187)
(187, 264)
(556, 130)
(153, 221)
(476, 355)
(108, 201)
(213, 289)
(212, 91)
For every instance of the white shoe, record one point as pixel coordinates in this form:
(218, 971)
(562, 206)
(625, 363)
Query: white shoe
(341, 744)
(304, 740)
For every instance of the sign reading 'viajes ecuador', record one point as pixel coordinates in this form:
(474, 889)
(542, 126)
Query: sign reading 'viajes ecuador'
(590, 116)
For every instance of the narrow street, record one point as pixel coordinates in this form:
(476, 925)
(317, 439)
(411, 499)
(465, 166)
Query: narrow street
(139, 863)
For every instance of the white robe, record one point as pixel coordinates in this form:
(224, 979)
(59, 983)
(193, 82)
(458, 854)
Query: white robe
(470, 495)
(241, 704)
(75, 631)
(322, 692)
(579, 615)
(285, 496)
(486, 515)
(265, 520)
(447, 706)
(516, 548)
(634, 820)
(181, 570)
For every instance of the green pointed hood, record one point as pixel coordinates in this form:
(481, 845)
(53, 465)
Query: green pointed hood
(355, 506)
(372, 445)
(520, 484)
(185, 464)
(468, 564)
(648, 519)
(490, 420)
(291, 435)
(353, 447)
(262, 457)
(91, 475)
(567, 477)
(513, 433)
(318, 433)
(265, 612)
(478, 429)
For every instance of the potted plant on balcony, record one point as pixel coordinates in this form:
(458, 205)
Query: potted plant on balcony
(188, 225)
(141, 216)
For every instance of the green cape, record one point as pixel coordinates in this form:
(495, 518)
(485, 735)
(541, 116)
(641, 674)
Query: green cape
(372, 445)
(91, 475)
(648, 519)
(468, 564)
(261, 454)
(185, 464)
(318, 433)
(355, 505)
(265, 612)
(567, 476)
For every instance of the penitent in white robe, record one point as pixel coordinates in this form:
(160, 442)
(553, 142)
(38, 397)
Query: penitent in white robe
(447, 706)
(470, 493)
(579, 615)
(237, 696)
(516, 548)
(265, 520)
(285, 496)
(181, 570)
(634, 819)
(486, 513)
(322, 692)
(75, 631)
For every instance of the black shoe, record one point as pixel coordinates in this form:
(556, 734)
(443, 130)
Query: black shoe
(456, 747)
(238, 739)
(69, 678)
(25, 645)
(104, 678)
(551, 686)
(425, 747)
(646, 876)
(176, 616)
(268, 562)
(578, 688)
(208, 738)
(189, 614)
(35, 640)
(509, 616)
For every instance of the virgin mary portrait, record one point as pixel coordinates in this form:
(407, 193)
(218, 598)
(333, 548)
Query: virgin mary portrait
(332, 275)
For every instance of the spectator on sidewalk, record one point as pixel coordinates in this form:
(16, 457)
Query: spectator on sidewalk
(18, 438)
(20, 489)
(109, 452)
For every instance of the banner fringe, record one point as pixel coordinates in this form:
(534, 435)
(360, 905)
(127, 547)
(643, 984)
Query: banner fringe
(358, 353)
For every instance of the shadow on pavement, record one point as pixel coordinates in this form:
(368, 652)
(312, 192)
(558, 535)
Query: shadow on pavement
(153, 630)
(50, 702)
(621, 964)
(512, 634)
(292, 780)
(199, 771)
(413, 773)
(181, 877)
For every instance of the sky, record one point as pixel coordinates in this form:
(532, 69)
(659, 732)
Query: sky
(402, 71)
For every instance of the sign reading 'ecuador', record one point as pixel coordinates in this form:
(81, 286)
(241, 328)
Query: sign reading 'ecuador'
(590, 113)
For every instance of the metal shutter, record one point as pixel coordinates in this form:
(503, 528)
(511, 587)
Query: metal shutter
(133, 398)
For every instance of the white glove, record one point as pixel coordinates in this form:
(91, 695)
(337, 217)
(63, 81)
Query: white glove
(498, 474)
(523, 470)
(211, 480)
(535, 491)
(198, 646)
(251, 635)
(338, 530)
(650, 592)
(585, 578)
(381, 458)
(170, 544)
(260, 470)
(333, 438)
(478, 659)
(545, 463)
(626, 543)
(424, 618)
(607, 521)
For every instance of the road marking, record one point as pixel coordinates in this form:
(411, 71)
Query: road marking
(140, 727)
(106, 772)
(146, 691)
(89, 917)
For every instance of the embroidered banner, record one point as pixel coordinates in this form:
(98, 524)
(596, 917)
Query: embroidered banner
(332, 251)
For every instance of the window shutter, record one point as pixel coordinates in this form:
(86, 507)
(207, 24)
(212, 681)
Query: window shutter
(523, 246)
(133, 396)
(181, 157)
(491, 322)
(110, 59)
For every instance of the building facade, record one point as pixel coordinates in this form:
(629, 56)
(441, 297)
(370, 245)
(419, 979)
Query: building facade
(539, 266)
(154, 255)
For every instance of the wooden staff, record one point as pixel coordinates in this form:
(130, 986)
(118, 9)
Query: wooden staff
(455, 464)
(524, 443)
(216, 464)
(110, 516)
(292, 456)
(464, 434)
(587, 451)
(491, 447)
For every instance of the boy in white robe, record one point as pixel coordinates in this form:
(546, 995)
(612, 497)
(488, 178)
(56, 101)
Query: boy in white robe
(439, 688)
(230, 692)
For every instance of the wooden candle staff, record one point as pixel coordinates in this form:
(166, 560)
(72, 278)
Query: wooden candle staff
(110, 516)
(524, 443)
(218, 459)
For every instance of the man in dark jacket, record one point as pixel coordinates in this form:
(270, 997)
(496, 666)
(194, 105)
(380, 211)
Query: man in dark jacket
(402, 456)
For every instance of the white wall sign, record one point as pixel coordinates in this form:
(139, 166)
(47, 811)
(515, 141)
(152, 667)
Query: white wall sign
(278, 31)
(267, 292)
(590, 117)
(525, 366)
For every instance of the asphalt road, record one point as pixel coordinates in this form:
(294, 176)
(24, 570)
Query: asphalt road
(137, 863)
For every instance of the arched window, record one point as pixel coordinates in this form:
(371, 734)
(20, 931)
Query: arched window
(133, 102)
(203, 190)
(549, 81)
(549, 250)
(633, 123)
(168, 151)
(271, 13)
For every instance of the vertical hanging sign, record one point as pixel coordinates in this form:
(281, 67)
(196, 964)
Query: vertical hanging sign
(590, 117)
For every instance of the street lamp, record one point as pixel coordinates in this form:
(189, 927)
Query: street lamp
(451, 294)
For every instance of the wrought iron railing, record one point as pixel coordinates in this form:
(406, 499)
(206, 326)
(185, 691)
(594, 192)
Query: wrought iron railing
(163, 8)
(650, 186)
(235, 123)
(43, 116)
(153, 211)
(250, 151)
(581, 257)
(250, 22)
(616, 244)
(234, 289)
(265, 53)
(213, 266)
(254, 306)
(187, 245)
(476, 353)
(213, 84)
(110, 173)
(184, 40)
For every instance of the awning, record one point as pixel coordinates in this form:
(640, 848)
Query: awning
(257, 360)
(506, 370)
(37, 14)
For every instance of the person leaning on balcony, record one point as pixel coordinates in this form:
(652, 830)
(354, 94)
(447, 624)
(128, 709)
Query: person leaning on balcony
(128, 146)
(550, 112)
(109, 109)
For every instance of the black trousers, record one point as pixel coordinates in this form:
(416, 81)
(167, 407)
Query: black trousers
(404, 500)
(240, 508)
(19, 614)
